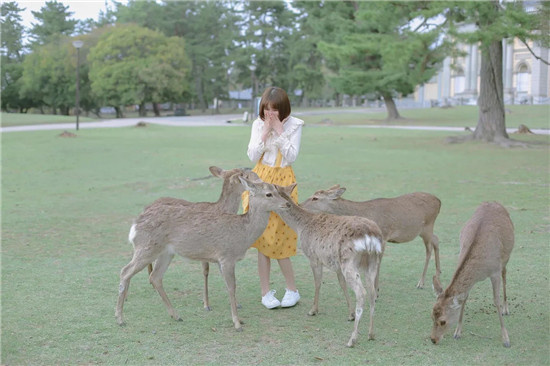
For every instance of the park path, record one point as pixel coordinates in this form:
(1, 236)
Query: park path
(216, 120)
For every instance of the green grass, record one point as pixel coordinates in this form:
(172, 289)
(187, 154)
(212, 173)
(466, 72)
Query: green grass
(68, 203)
(22, 119)
(533, 116)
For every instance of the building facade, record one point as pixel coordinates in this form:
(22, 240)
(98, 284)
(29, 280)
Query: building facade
(525, 78)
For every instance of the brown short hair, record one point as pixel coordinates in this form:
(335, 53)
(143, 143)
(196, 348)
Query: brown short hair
(275, 98)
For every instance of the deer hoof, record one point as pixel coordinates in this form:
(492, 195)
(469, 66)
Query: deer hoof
(507, 344)
(207, 308)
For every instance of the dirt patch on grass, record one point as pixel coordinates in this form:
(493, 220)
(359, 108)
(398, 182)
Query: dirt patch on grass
(67, 134)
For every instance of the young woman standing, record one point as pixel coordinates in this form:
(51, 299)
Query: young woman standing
(274, 146)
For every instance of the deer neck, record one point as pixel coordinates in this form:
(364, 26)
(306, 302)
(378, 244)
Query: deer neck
(295, 217)
(343, 206)
(229, 203)
(463, 279)
(255, 221)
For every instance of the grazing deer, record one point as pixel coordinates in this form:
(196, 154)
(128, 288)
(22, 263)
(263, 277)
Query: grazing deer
(223, 238)
(401, 219)
(228, 202)
(486, 241)
(348, 245)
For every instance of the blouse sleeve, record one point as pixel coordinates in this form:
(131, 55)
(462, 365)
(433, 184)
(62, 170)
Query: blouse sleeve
(256, 146)
(289, 142)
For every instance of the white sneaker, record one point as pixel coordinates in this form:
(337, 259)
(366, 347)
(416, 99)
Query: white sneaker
(290, 299)
(270, 301)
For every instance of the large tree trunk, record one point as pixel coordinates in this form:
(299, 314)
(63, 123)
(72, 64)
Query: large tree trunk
(142, 110)
(156, 109)
(391, 108)
(491, 126)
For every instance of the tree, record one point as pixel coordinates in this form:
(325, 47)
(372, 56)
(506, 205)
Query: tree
(494, 22)
(266, 28)
(53, 22)
(384, 49)
(11, 57)
(134, 65)
(48, 76)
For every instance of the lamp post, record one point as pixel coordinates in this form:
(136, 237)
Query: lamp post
(252, 69)
(77, 44)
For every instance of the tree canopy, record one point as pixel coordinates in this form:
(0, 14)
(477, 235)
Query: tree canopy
(135, 65)
(197, 51)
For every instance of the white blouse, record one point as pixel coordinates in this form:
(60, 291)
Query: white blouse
(288, 142)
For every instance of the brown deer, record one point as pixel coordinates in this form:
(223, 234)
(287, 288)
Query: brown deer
(486, 241)
(348, 245)
(223, 238)
(228, 202)
(401, 219)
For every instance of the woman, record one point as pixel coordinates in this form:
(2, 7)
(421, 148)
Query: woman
(274, 146)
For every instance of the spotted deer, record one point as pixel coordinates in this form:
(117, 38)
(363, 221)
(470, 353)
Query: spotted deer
(486, 241)
(206, 236)
(348, 245)
(228, 202)
(401, 218)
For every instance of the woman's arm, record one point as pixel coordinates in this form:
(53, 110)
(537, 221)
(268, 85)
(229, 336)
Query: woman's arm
(256, 147)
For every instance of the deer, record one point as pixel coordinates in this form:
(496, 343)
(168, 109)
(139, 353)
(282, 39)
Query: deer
(348, 245)
(401, 218)
(207, 236)
(228, 202)
(486, 242)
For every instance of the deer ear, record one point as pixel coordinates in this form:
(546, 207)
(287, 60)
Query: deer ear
(253, 176)
(336, 193)
(438, 289)
(249, 186)
(290, 188)
(217, 172)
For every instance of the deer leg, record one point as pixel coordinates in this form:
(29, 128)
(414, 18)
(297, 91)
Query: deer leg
(371, 276)
(205, 271)
(344, 287)
(161, 265)
(136, 264)
(435, 245)
(458, 330)
(228, 273)
(428, 245)
(353, 279)
(495, 281)
(317, 277)
(505, 310)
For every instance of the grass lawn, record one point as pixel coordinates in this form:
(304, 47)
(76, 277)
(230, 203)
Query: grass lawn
(68, 204)
(533, 116)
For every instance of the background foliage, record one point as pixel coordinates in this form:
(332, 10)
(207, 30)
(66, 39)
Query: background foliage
(317, 50)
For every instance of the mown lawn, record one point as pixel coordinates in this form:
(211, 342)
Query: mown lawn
(68, 203)
(533, 116)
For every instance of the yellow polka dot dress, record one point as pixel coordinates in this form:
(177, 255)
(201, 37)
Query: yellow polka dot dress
(278, 240)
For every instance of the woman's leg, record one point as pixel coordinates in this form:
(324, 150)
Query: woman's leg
(288, 272)
(264, 266)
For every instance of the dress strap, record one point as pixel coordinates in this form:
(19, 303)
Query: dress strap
(279, 159)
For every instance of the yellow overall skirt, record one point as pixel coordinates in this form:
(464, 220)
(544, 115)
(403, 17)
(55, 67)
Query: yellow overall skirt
(278, 240)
